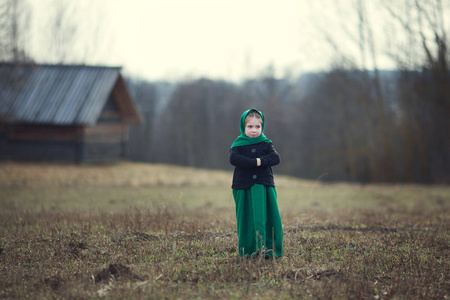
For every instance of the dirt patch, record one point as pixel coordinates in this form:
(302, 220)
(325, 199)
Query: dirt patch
(115, 271)
(303, 274)
(75, 248)
(328, 274)
(140, 236)
(53, 282)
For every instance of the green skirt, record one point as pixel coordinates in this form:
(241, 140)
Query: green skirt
(258, 222)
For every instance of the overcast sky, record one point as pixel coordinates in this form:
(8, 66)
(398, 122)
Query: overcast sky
(229, 39)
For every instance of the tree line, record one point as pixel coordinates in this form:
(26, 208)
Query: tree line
(328, 125)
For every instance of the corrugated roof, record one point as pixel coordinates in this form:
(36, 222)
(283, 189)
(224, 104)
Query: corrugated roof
(55, 94)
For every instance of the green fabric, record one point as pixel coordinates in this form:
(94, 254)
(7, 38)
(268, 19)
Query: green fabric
(258, 222)
(244, 140)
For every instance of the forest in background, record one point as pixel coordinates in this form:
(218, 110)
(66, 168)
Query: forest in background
(332, 125)
(352, 122)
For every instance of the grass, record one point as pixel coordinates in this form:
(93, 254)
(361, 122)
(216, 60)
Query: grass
(153, 231)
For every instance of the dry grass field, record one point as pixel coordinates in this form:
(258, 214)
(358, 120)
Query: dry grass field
(142, 231)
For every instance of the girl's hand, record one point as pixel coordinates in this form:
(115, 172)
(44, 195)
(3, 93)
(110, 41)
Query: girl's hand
(258, 162)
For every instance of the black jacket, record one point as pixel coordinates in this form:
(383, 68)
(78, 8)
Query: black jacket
(246, 173)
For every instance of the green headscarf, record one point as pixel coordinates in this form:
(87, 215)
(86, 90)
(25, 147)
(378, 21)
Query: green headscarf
(244, 140)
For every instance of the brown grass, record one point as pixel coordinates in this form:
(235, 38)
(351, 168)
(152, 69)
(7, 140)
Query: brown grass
(342, 241)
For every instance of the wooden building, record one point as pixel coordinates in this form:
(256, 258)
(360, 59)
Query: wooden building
(64, 113)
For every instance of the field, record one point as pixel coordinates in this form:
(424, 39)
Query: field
(155, 231)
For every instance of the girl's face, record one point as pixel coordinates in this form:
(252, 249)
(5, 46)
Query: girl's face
(253, 127)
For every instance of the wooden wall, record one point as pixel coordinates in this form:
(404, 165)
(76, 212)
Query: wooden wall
(40, 143)
(102, 143)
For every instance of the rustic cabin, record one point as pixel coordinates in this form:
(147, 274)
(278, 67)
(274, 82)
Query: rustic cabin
(70, 113)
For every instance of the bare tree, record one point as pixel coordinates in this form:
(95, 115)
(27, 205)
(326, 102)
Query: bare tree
(370, 100)
(61, 31)
(424, 94)
(379, 147)
(71, 32)
(14, 25)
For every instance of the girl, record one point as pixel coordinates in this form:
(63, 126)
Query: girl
(258, 220)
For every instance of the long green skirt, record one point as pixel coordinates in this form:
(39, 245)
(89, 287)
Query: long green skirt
(258, 222)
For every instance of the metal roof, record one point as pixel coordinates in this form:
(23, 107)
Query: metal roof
(55, 94)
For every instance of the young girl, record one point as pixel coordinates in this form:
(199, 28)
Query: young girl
(258, 219)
